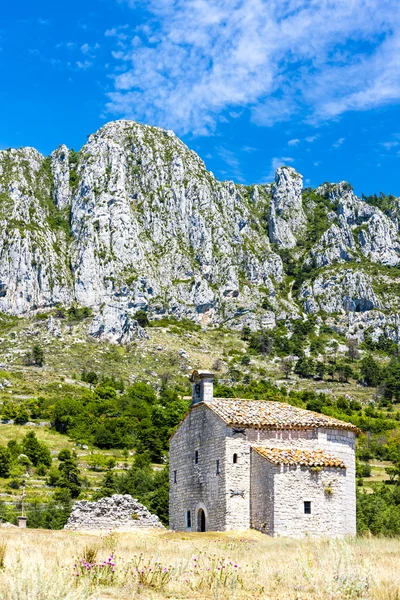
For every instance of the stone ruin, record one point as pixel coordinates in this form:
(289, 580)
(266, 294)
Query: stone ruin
(117, 512)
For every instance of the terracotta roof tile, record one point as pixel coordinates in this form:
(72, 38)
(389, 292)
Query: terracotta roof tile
(262, 414)
(304, 458)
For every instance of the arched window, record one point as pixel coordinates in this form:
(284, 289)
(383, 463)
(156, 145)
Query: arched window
(235, 459)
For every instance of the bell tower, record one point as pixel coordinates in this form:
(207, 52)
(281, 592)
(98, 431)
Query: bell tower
(202, 386)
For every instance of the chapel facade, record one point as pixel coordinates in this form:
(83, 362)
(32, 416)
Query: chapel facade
(239, 464)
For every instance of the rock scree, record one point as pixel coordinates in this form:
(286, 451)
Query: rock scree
(117, 512)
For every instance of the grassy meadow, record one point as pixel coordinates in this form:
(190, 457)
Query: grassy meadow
(154, 565)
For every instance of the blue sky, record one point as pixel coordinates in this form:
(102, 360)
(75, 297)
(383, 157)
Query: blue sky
(248, 84)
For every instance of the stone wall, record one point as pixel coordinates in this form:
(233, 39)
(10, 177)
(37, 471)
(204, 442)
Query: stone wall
(251, 492)
(117, 512)
(327, 492)
(278, 494)
(237, 481)
(262, 494)
(198, 485)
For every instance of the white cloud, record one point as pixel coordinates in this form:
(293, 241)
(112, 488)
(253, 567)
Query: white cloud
(338, 142)
(83, 65)
(311, 138)
(293, 142)
(198, 58)
(89, 50)
(390, 145)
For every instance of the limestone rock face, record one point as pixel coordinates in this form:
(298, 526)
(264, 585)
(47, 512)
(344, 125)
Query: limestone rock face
(346, 291)
(60, 166)
(360, 227)
(34, 270)
(134, 222)
(335, 245)
(118, 512)
(287, 219)
(154, 230)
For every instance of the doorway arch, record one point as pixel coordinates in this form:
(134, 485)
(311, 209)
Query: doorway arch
(201, 520)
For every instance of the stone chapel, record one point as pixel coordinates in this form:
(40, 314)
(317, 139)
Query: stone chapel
(238, 464)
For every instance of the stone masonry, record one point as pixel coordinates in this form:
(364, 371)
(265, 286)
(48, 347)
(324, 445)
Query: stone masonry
(236, 464)
(118, 512)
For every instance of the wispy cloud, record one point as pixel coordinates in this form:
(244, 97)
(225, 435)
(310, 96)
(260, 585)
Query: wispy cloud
(83, 65)
(338, 142)
(277, 162)
(293, 142)
(390, 145)
(232, 161)
(195, 59)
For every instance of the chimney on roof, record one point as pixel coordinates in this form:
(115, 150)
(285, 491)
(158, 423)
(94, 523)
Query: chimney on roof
(202, 386)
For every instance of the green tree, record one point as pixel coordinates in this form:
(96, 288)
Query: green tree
(371, 373)
(36, 451)
(37, 356)
(69, 473)
(320, 369)
(262, 342)
(305, 367)
(392, 381)
(5, 461)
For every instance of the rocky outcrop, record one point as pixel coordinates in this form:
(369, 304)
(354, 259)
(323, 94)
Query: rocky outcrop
(361, 229)
(134, 221)
(154, 230)
(149, 228)
(34, 270)
(61, 171)
(335, 245)
(287, 219)
(342, 291)
(118, 512)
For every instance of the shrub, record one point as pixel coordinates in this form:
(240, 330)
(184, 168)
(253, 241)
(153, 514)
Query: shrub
(3, 552)
(142, 318)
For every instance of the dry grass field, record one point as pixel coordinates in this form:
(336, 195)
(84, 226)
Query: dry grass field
(149, 565)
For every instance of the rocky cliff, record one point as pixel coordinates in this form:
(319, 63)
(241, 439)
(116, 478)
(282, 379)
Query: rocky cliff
(134, 221)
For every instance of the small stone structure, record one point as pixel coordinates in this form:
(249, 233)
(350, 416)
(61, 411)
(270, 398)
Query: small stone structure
(240, 463)
(118, 512)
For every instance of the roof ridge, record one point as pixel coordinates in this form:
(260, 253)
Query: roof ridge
(272, 414)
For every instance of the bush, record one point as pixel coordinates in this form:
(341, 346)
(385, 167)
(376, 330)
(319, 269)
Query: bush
(142, 318)
(76, 314)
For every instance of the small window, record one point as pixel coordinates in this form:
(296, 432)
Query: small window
(234, 459)
(307, 507)
(188, 519)
(174, 476)
(196, 457)
(217, 467)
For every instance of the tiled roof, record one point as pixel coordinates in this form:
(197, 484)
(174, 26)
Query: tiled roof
(261, 414)
(304, 458)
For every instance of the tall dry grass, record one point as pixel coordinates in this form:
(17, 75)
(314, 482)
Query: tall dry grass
(39, 565)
